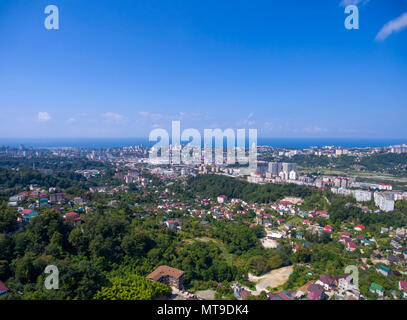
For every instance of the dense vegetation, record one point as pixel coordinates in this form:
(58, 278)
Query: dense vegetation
(10, 178)
(132, 288)
(214, 185)
(54, 163)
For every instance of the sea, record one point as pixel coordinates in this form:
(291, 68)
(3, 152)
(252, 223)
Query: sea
(290, 143)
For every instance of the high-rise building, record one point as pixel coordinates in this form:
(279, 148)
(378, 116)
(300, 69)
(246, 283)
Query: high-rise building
(262, 167)
(275, 168)
(385, 201)
(288, 167)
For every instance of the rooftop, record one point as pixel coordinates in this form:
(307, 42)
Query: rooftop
(163, 271)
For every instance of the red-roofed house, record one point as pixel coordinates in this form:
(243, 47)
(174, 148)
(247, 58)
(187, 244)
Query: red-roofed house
(351, 246)
(27, 211)
(28, 214)
(222, 198)
(285, 203)
(74, 216)
(3, 288)
(403, 288)
(359, 227)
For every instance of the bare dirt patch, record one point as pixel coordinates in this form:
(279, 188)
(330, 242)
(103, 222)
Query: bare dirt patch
(269, 243)
(273, 279)
(206, 294)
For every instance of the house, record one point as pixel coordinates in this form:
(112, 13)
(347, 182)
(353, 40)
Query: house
(326, 281)
(397, 252)
(43, 202)
(395, 244)
(272, 296)
(28, 214)
(3, 288)
(344, 239)
(367, 242)
(285, 296)
(306, 222)
(57, 198)
(376, 288)
(170, 276)
(316, 292)
(393, 260)
(360, 227)
(112, 203)
(73, 216)
(324, 214)
(328, 228)
(384, 270)
(172, 224)
(222, 199)
(351, 246)
(403, 288)
(78, 200)
(306, 244)
(345, 282)
(360, 238)
(244, 294)
(35, 194)
(384, 230)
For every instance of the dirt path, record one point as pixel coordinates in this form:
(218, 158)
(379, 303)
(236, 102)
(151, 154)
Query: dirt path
(382, 261)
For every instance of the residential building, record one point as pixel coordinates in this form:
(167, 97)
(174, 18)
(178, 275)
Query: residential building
(385, 201)
(3, 288)
(376, 288)
(169, 276)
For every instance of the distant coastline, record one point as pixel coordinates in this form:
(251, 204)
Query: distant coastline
(290, 143)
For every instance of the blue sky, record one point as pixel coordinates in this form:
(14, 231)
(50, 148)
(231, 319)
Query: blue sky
(121, 68)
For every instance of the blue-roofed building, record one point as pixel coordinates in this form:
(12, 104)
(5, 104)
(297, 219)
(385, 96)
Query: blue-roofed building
(384, 270)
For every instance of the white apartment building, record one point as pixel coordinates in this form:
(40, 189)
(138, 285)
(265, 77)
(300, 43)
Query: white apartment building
(385, 201)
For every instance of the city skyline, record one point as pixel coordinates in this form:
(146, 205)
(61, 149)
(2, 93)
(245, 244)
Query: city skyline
(122, 69)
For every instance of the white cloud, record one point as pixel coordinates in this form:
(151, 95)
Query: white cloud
(249, 121)
(345, 3)
(315, 129)
(394, 25)
(71, 120)
(43, 116)
(113, 117)
(268, 125)
(143, 113)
